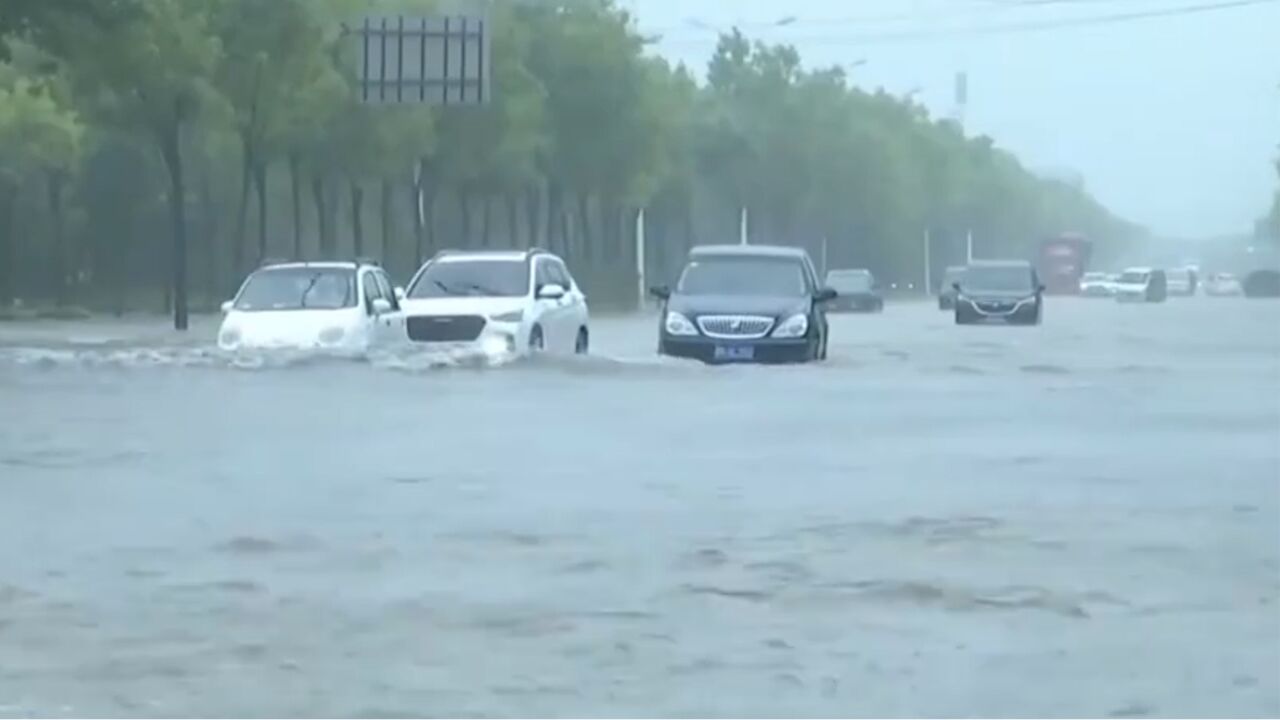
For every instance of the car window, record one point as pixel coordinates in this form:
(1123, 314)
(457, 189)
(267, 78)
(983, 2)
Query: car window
(371, 290)
(465, 277)
(560, 274)
(388, 292)
(298, 288)
(542, 273)
(762, 276)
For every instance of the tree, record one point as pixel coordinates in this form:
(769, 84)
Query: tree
(152, 76)
(37, 136)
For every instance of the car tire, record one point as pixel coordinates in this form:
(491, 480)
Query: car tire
(962, 317)
(582, 345)
(537, 342)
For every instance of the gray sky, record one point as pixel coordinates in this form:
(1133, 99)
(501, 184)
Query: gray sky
(1172, 121)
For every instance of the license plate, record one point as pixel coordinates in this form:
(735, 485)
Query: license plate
(735, 352)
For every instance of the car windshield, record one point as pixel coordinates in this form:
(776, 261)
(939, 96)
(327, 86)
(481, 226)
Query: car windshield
(850, 282)
(298, 288)
(998, 278)
(472, 278)
(778, 277)
(1133, 277)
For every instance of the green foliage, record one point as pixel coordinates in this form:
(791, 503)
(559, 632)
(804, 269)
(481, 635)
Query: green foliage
(579, 110)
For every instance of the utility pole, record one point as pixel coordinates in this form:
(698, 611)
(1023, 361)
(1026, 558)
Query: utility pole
(742, 227)
(969, 248)
(825, 269)
(641, 291)
(928, 269)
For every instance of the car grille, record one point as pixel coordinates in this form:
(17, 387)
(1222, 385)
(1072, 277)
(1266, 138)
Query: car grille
(737, 327)
(996, 307)
(445, 328)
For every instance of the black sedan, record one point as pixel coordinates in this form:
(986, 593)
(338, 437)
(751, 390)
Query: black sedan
(745, 303)
(859, 291)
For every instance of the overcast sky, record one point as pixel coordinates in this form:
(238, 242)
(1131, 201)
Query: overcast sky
(1172, 121)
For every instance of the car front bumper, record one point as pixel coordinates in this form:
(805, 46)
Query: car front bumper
(976, 313)
(497, 338)
(715, 352)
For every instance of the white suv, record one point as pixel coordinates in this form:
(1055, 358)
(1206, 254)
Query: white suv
(341, 306)
(496, 302)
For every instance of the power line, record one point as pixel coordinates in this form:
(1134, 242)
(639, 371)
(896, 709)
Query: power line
(1032, 26)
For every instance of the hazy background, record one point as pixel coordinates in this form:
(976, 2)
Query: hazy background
(1173, 121)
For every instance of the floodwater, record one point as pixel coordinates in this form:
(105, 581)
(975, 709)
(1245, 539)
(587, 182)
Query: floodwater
(1080, 519)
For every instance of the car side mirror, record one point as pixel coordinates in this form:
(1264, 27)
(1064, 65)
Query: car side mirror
(551, 291)
(662, 292)
(227, 306)
(955, 286)
(1040, 289)
(400, 293)
(381, 306)
(825, 294)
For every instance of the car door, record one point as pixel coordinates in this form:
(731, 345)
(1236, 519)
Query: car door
(391, 329)
(370, 292)
(548, 312)
(819, 308)
(572, 311)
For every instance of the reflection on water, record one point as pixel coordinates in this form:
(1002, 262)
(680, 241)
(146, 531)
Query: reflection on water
(1054, 521)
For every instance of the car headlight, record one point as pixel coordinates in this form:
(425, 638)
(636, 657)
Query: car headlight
(332, 336)
(229, 337)
(514, 316)
(678, 324)
(794, 326)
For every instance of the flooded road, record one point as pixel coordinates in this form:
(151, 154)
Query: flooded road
(1081, 519)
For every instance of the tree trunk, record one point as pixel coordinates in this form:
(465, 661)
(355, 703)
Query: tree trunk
(209, 234)
(555, 207)
(385, 221)
(57, 183)
(171, 150)
(8, 201)
(513, 220)
(533, 210)
(295, 192)
(357, 218)
(242, 212)
(584, 226)
(486, 220)
(416, 212)
(260, 183)
(464, 207)
(322, 216)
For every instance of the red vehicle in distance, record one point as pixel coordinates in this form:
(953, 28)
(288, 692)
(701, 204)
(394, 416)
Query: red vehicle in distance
(1063, 261)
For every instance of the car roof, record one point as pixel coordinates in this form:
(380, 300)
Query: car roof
(457, 255)
(1139, 270)
(774, 251)
(322, 265)
(849, 271)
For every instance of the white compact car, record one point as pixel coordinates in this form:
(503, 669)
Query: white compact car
(495, 303)
(334, 306)
(1097, 284)
(1223, 285)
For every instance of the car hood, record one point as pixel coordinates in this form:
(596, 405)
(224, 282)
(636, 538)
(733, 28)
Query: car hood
(694, 305)
(486, 306)
(289, 328)
(996, 295)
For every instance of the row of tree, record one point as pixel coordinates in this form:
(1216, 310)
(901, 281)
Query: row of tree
(143, 142)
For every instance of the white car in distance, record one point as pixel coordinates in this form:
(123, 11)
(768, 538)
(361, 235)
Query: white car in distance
(344, 307)
(496, 303)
